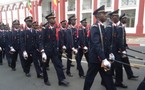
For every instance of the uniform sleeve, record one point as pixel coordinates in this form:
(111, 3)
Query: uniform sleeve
(120, 39)
(96, 42)
(41, 39)
(23, 40)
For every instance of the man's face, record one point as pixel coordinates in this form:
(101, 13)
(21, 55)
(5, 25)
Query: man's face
(73, 22)
(84, 23)
(52, 21)
(63, 24)
(115, 18)
(124, 20)
(29, 23)
(102, 16)
(17, 26)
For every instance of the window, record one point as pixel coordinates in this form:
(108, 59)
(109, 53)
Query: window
(107, 3)
(87, 4)
(15, 14)
(9, 16)
(128, 3)
(71, 5)
(22, 15)
(88, 16)
(131, 17)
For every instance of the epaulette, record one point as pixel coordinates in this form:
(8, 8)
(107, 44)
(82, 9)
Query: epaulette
(94, 25)
(108, 26)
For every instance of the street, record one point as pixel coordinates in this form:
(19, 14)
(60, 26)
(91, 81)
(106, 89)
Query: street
(16, 80)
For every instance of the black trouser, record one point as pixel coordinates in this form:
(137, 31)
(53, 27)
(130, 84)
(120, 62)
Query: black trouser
(26, 64)
(141, 85)
(37, 62)
(94, 68)
(78, 60)
(69, 61)
(118, 69)
(128, 69)
(14, 58)
(57, 64)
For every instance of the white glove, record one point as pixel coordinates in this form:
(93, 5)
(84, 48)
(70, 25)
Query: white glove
(85, 49)
(25, 55)
(124, 54)
(12, 49)
(107, 63)
(0, 49)
(111, 56)
(74, 50)
(64, 47)
(44, 57)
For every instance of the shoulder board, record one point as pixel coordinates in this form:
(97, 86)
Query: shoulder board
(108, 26)
(94, 25)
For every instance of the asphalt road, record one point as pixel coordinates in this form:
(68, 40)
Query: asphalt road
(16, 80)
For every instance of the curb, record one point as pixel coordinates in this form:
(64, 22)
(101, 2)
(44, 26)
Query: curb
(136, 44)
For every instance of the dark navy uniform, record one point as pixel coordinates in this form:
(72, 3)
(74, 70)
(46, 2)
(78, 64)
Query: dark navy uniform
(71, 42)
(61, 41)
(141, 85)
(1, 52)
(15, 43)
(115, 45)
(97, 55)
(29, 45)
(49, 46)
(125, 59)
(82, 44)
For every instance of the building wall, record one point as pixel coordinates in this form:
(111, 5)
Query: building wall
(81, 8)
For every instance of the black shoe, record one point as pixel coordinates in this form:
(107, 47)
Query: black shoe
(1, 63)
(133, 77)
(13, 69)
(72, 65)
(9, 65)
(103, 84)
(40, 76)
(63, 83)
(28, 75)
(47, 83)
(69, 74)
(121, 85)
(83, 76)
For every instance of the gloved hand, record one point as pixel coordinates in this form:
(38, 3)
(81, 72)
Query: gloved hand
(85, 49)
(25, 55)
(64, 47)
(124, 54)
(74, 50)
(12, 49)
(44, 57)
(0, 49)
(111, 56)
(106, 65)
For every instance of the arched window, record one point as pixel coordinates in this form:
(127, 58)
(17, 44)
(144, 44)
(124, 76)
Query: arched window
(3, 15)
(9, 16)
(22, 13)
(15, 12)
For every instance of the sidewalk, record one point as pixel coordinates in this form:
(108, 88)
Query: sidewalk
(136, 41)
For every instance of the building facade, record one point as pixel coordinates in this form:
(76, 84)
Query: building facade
(81, 8)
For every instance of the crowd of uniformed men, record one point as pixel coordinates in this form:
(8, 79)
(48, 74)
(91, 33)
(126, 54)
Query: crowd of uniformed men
(101, 44)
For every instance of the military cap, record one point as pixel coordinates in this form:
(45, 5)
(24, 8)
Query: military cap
(35, 22)
(123, 16)
(114, 12)
(99, 10)
(83, 20)
(29, 18)
(51, 15)
(15, 22)
(63, 21)
(72, 17)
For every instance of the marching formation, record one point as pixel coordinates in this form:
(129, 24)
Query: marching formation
(103, 45)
